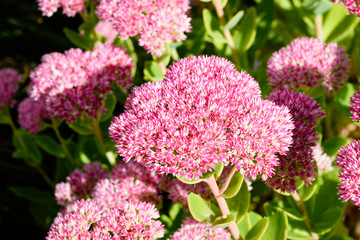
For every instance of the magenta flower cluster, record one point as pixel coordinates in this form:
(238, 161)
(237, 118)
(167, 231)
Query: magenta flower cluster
(31, 113)
(78, 82)
(355, 106)
(203, 112)
(88, 220)
(298, 163)
(353, 6)
(192, 229)
(155, 22)
(348, 160)
(9, 79)
(70, 7)
(308, 62)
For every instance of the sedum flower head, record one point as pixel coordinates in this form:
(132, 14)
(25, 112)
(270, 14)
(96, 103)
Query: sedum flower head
(79, 184)
(31, 113)
(355, 106)
(155, 22)
(128, 181)
(88, 220)
(323, 161)
(192, 229)
(70, 7)
(9, 79)
(299, 160)
(308, 62)
(348, 160)
(352, 6)
(199, 115)
(77, 82)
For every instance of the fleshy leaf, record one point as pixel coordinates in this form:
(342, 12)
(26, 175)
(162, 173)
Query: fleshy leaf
(201, 209)
(221, 222)
(49, 145)
(234, 185)
(258, 230)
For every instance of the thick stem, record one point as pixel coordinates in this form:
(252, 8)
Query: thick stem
(227, 180)
(318, 27)
(302, 208)
(223, 206)
(227, 34)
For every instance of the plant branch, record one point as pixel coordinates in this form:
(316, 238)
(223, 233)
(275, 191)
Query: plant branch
(227, 180)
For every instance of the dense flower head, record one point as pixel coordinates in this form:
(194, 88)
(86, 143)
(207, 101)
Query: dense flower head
(355, 106)
(31, 113)
(155, 22)
(323, 161)
(192, 229)
(348, 160)
(78, 82)
(353, 6)
(79, 184)
(70, 7)
(128, 181)
(199, 115)
(9, 79)
(308, 62)
(299, 160)
(88, 220)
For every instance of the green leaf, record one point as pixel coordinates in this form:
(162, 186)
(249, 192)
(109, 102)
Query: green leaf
(32, 194)
(4, 117)
(212, 26)
(82, 125)
(201, 209)
(234, 185)
(221, 222)
(247, 222)
(152, 71)
(110, 104)
(49, 145)
(79, 40)
(277, 228)
(258, 230)
(316, 7)
(306, 192)
(327, 220)
(344, 95)
(175, 209)
(26, 147)
(218, 170)
(247, 30)
(240, 203)
(338, 23)
(332, 145)
(234, 20)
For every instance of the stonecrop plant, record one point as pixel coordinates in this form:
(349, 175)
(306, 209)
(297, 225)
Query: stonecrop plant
(202, 119)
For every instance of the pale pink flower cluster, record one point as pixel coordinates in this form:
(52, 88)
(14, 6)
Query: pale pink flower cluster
(323, 161)
(203, 112)
(88, 220)
(31, 113)
(355, 106)
(79, 184)
(106, 30)
(9, 79)
(353, 6)
(308, 62)
(298, 163)
(348, 159)
(194, 230)
(78, 82)
(128, 181)
(155, 22)
(70, 7)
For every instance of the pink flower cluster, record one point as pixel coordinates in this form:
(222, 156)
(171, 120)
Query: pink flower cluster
(9, 79)
(192, 229)
(308, 62)
(298, 163)
(88, 220)
(78, 82)
(353, 6)
(70, 7)
(355, 106)
(31, 113)
(203, 112)
(348, 159)
(155, 22)
(323, 161)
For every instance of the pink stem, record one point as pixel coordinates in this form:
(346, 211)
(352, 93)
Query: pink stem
(227, 180)
(223, 206)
